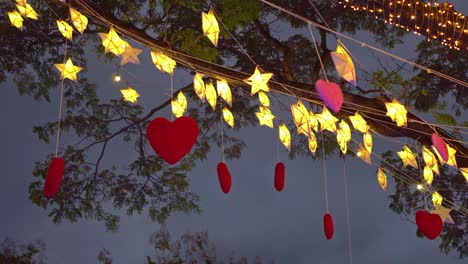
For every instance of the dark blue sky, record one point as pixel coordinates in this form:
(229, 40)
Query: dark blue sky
(253, 220)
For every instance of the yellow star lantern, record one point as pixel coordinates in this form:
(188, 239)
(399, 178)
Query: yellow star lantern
(301, 118)
(224, 91)
(344, 64)
(210, 27)
(452, 161)
(16, 19)
(364, 155)
(265, 117)
(68, 70)
(397, 112)
(464, 172)
(367, 139)
(346, 130)
(285, 136)
(130, 95)
(341, 140)
(228, 117)
(382, 179)
(259, 81)
(430, 160)
(407, 157)
(163, 62)
(437, 198)
(312, 143)
(130, 55)
(65, 29)
(313, 121)
(113, 43)
(26, 10)
(263, 98)
(199, 86)
(428, 175)
(359, 123)
(327, 120)
(79, 20)
(211, 95)
(179, 105)
(444, 213)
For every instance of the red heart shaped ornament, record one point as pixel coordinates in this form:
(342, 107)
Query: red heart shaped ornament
(279, 176)
(54, 177)
(441, 146)
(224, 177)
(429, 224)
(328, 227)
(172, 141)
(331, 94)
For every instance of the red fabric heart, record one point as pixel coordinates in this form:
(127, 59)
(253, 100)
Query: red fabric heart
(224, 177)
(331, 94)
(54, 177)
(279, 176)
(429, 224)
(441, 146)
(172, 141)
(328, 227)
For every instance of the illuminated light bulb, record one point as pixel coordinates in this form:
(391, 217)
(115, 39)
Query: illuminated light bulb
(419, 187)
(117, 77)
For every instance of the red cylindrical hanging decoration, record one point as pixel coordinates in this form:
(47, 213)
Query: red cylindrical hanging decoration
(54, 177)
(224, 177)
(328, 227)
(279, 176)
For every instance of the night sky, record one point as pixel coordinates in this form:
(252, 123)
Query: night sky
(252, 220)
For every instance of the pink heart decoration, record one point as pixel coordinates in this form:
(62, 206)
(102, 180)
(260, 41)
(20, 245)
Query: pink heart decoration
(172, 141)
(279, 176)
(328, 227)
(224, 177)
(429, 224)
(331, 94)
(441, 146)
(54, 177)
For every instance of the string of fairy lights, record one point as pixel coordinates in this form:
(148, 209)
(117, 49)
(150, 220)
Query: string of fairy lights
(305, 120)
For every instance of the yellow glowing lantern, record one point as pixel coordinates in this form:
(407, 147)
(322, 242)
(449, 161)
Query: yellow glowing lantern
(464, 172)
(437, 198)
(344, 64)
(211, 95)
(263, 98)
(430, 160)
(259, 81)
(112, 42)
(129, 94)
(313, 121)
(210, 27)
(341, 140)
(284, 136)
(367, 139)
(199, 86)
(16, 19)
(65, 29)
(382, 179)
(407, 157)
(228, 117)
(162, 62)
(364, 155)
(345, 130)
(312, 143)
(327, 120)
(359, 123)
(27, 10)
(428, 175)
(452, 161)
(301, 117)
(179, 105)
(68, 70)
(224, 91)
(79, 20)
(397, 112)
(265, 117)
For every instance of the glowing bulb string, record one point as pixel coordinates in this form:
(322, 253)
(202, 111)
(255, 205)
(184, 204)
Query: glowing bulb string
(347, 211)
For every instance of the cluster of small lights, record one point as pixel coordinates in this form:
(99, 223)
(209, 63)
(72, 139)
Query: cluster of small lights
(435, 21)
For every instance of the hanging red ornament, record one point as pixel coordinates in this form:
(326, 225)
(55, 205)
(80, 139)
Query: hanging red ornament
(429, 224)
(328, 227)
(224, 177)
(54, 177)
(279, 176)
(441, 146)
(172, 141)
(331, 94)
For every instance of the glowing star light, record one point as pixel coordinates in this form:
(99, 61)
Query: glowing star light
(265, 117)
(79, 20)
(259, 81)
(407, 157)
(68, 70)
(179, 105)
(301, 118)
(163, 62)
(397, 112)
(367, 139)
(464, 172)
(452, 161)
(327, 120)
(444, 213)
(199, 86)
(130, 55)
(346, 130)
(437, 198)
(263, 98)
(65, 29)
(285, 136)
(430, 160)
(359, 123)
(364, 155)
(210, 27)
(16, 19)
(312, 143)
(382, 179)
(26, 10)
(211, 95)
(129, 94)
(428, 175)
(113, 43)
(344, 64)
(341, 140)
(224, 91)
(228, 117)
(313, 121)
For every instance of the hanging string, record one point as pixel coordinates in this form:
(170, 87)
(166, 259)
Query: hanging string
(172, 95)
(222, 132)
(347, 211)
(277, 149)
(325, 174)
(318, 52)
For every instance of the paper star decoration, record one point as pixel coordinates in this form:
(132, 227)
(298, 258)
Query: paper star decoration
(437, 198)
(428, 175)
(80, 22)
(301, 117)
(464, 172)
(359, 123)
(210, 27)
(26, 10)
(364, 155)
(259, 81)
(130, 55)
(312, 143)
(444, 213)
(452, 160)
(68, 70)
(211, 95)
(346, 130)
(382, 179)
(65, 29)
(430, 160)
(163, 62)
(130, 95)
(179, 105)
(263, 98)
(284, 136)
(343, 136)
(16, 19)
(228, 117)
(313, 121)
(407, 157)
(113, 43)
(199, 86)
(265, 117)
(367, 139)
(327, 120)
(224, 91)
(397, 112)
(344, 64)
